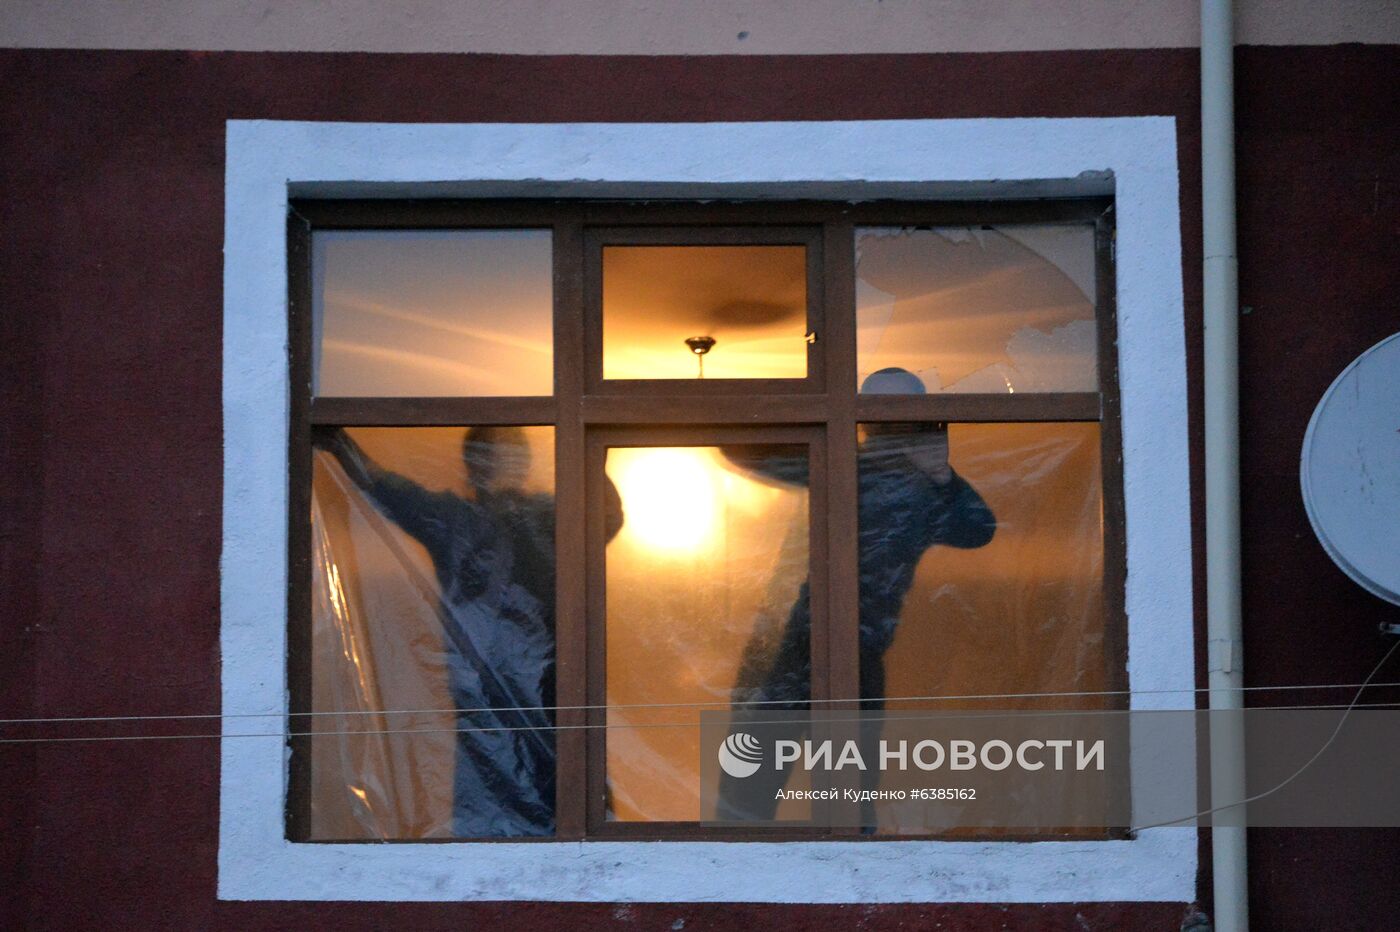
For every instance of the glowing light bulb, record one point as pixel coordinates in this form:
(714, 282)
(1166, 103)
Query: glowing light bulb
(669, 496)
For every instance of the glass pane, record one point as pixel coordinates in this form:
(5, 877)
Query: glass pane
(707, 604)
(750, 302)
(981, 566)
(433, 313)
(433, 589)
(976, 309)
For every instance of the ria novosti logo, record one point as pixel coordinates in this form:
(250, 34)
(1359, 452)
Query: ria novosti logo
(740, 755)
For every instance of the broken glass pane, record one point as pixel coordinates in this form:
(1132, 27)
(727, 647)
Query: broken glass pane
(977, 309)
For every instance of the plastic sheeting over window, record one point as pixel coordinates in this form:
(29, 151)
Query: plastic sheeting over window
(1016, 611)
(979, 309)
(432, 652)
(711, 563)
(433, 590)
(981, 572)
(1008, 596)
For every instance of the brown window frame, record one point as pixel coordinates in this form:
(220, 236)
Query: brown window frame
(585, 410)
(596, 239)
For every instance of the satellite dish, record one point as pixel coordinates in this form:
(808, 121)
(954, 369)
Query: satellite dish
(1351, 470)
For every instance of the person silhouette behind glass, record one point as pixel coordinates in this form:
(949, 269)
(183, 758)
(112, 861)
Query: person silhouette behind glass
(910, 499)
(493, 554)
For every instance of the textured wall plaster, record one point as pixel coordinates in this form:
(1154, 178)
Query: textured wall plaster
(678, 27)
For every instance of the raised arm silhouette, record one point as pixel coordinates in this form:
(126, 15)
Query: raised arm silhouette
(493, 554)
(910, 499)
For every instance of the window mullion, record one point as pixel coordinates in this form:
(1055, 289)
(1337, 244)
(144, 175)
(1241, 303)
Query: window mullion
(843, 558)
(571, 673)
(842, 629)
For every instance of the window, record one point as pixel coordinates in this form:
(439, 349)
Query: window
(565, 474)
(269, 163)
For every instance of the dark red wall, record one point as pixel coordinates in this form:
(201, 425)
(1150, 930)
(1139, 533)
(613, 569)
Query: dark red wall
(1319, 212)
(110, 446)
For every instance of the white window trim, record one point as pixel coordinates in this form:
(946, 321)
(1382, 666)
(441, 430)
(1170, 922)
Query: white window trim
(267, 162)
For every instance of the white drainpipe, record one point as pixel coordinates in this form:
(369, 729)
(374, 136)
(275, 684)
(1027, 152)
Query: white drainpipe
(1221, 317)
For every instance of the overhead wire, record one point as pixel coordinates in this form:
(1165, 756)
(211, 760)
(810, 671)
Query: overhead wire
(716, 703)
(688, 724)
(1352, 706)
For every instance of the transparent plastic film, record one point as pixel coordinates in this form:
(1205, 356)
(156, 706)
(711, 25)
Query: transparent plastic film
(982, 569)
(707, 605)
(432, 589)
